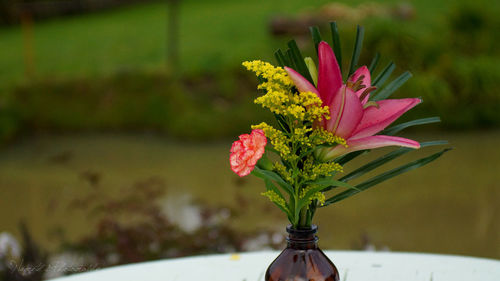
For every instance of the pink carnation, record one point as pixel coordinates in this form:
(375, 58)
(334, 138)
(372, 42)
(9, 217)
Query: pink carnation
(247, 151)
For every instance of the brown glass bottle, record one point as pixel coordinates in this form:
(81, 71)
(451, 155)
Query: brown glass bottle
(302, 260)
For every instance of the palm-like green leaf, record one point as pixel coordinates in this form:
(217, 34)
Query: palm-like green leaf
(291, 59)
(280, 58)
(384, 159)
(390, 131)
(328, 184)
(398, 128)
(348, 157)
(392, 87)
(358, 45)
(374, 63)
(336, 43)
(316, 36)
(298, 59)
(384, 75)
(385, 176)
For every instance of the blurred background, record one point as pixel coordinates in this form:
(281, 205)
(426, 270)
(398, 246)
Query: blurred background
(116, 119)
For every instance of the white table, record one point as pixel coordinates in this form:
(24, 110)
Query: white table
(353, 266)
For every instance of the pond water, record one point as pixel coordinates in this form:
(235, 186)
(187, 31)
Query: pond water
(450, 206)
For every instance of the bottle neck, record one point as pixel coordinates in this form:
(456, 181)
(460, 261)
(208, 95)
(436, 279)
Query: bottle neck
(302, 239)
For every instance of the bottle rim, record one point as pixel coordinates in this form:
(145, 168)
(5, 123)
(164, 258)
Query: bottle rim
(302, 231)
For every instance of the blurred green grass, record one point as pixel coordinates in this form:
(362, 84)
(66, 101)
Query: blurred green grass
(107, 70)
(213, 34)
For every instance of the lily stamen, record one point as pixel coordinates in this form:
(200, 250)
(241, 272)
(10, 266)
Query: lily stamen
(366, 92)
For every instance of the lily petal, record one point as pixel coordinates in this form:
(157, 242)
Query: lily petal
(329, 76)
(302, 84)
(367, 81)
(376, 119)
(370, 143)
(346, 112)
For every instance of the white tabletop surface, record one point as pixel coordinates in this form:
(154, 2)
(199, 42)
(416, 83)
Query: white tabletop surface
(353, 266)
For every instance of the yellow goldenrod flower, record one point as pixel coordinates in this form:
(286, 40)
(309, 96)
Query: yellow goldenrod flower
(283, 172)
(275, 198)
(278, 139)
(316, 196)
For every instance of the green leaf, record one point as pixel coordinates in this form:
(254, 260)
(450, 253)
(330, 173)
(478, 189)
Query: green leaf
(385, 176)
(328, 184)
(393, 86)
(398, 128)
(348, 157)
(384, 75)
(358, 45)
(291, 61)
(316, 36)
(336, 43)
(384, 159)
(432, 143)
(270, 175)
(271, 186)
(280, 58)
(298, 60)
(374, 63)
(375, 163)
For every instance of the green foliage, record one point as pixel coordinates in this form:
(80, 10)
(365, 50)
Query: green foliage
(455, 66)
(151, 101)
(450, 48)
(358, 46)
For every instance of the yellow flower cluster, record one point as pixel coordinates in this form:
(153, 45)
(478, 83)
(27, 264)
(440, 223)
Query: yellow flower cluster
(320, 197)
(276, 77)
(312, 171)
(309, 137)
(312, 106)
(275, 198)
(325, 169)
(301, 135)
(316, 196)
(322, 136)
(283, 172)
(275, 101)
(305, 106)
(278, 139)
(279, 97)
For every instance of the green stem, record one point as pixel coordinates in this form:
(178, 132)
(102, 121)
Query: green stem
(303, 218)
(309, 217)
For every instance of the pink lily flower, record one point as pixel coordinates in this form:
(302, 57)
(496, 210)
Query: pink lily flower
(352, 116)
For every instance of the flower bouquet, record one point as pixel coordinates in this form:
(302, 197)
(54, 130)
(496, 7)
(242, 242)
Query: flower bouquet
(325, 117)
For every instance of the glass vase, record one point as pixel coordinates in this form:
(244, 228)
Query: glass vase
(302, 259)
